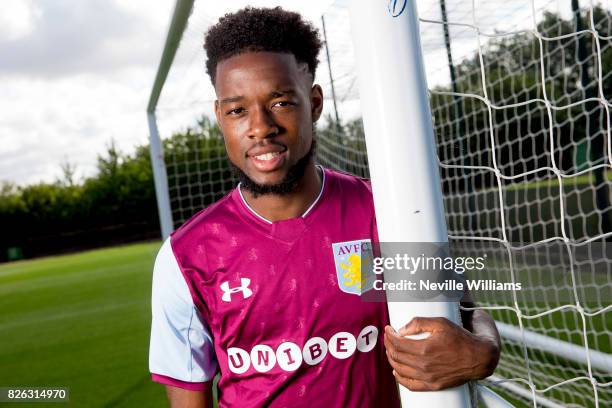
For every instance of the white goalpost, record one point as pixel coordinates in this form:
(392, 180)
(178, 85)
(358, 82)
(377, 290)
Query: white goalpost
(182, 10)
(401, 152)
(501, 142)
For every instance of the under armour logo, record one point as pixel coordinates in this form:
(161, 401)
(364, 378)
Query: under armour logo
(244, 288)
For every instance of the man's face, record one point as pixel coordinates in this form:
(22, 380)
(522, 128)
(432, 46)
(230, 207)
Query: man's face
(266, 106)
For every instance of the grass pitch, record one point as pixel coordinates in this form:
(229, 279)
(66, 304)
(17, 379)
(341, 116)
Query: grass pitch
(80, 321)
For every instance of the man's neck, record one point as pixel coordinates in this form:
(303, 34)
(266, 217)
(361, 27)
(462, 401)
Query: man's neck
(283, 207)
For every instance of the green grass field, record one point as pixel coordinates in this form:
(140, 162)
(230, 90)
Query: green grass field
(80, 321)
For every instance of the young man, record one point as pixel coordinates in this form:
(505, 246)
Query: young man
(249, 286)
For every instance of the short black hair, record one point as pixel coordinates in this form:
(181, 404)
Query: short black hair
(261, 29)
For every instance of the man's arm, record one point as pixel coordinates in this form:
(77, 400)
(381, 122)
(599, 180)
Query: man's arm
(181, 398)
(482, 325)
(449, 356)
(181, 352)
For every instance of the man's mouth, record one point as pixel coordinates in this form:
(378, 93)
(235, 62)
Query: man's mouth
(267, 156)
(269, 159)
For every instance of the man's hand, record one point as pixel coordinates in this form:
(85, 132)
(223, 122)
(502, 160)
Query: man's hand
(448, 357)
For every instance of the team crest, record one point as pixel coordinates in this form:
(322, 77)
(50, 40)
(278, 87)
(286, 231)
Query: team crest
(353, 260)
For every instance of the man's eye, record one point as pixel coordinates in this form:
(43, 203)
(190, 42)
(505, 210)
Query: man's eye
(235, 111)
(283, 104)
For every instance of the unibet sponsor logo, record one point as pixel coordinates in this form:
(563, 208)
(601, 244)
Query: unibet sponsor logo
(289, 356)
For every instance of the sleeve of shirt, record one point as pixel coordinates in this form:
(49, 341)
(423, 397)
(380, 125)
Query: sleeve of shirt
(181, 351)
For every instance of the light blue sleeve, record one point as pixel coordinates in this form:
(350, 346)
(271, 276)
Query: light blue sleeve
(181, 345)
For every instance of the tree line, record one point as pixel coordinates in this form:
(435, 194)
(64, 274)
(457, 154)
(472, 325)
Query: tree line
(115, 205)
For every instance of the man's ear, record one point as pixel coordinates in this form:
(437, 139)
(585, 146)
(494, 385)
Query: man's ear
(316, 102)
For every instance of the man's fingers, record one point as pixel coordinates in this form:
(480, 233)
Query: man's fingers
(400, 344)
(408, 370)
(400, 357)
(421, 325)
(416, 385)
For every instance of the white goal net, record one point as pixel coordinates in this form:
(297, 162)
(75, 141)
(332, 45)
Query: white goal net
(520, 94)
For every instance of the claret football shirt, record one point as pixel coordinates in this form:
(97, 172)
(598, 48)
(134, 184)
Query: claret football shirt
(274, 306)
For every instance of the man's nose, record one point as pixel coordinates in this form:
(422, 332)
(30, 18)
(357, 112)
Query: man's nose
(262, 124)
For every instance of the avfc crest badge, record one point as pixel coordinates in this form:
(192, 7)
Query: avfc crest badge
(353, 261)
